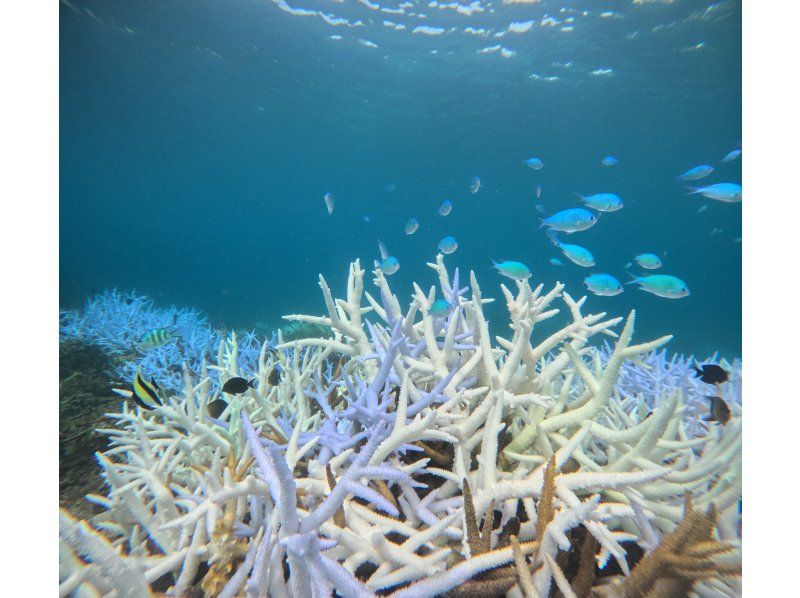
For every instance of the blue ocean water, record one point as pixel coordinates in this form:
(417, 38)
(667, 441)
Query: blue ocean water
(198, 139)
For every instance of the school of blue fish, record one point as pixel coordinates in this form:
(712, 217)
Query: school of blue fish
(574, 220)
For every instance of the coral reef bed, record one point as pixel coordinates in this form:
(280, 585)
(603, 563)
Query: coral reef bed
(84, 396)
(415, 454)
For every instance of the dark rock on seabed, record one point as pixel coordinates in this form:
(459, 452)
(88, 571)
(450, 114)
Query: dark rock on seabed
(84, 396)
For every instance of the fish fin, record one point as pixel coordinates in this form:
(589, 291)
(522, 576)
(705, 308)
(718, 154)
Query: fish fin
(157, 397)
(542, 222)
(382, 249)
(693, 190)
(253, 383)
(553, 237)
(581, 197)
(634, 278)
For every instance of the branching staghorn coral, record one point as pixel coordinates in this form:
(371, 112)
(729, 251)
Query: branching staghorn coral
(368, 467)
(115, 322)
(685, 556)
(656, 374)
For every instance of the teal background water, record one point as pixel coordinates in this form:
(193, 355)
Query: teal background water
(198, 138)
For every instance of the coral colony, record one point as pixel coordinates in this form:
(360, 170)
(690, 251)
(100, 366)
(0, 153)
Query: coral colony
(163, 342)
(417, 455)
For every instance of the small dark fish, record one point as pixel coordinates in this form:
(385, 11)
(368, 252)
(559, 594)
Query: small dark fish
(215, 408)
(274, 377)
(570, 466)
(718, 410)
(145, 393)
(237, 386)
(711, 373)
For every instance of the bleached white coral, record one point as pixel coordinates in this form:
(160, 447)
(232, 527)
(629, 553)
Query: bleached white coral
(352, 470)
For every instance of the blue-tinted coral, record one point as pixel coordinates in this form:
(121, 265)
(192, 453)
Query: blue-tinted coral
(117, 321)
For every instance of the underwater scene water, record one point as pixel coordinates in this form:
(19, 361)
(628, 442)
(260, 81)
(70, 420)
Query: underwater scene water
(409, 429)
(198, 139)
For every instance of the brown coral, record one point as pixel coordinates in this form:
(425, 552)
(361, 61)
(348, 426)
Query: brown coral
(684, 557)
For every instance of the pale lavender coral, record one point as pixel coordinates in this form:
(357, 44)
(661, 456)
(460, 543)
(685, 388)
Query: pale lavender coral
(374, 403)
(658, 375)
(300, 538)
